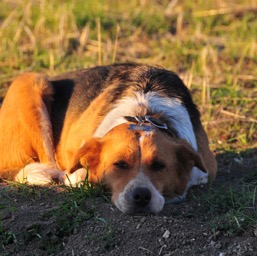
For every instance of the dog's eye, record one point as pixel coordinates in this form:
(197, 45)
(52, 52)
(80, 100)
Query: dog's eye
(121, 165)
(157, 165)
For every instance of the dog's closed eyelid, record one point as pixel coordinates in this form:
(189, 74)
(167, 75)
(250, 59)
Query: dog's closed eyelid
(157, 165)
(121, 165)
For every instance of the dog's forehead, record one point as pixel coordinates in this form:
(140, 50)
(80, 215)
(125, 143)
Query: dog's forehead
(145, 138)
(159, 143)
(130, 130)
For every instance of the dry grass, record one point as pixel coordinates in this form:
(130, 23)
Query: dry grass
(211, 44)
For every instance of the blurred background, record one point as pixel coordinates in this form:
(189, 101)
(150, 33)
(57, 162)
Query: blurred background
(212, 45)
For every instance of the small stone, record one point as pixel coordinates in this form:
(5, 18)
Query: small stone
(143, 220)
(238, 160)
(212, 243)
(161, 242)
(166, 234)
(165, 219)
(218, 246)
(138, 226)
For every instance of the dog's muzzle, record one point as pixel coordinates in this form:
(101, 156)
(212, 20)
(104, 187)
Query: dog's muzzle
(139, 195)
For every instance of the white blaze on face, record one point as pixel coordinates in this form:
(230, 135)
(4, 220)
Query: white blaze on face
(125, 200)
(144, 135)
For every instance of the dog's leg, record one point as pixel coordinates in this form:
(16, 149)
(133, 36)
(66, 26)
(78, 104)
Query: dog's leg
(25, 129)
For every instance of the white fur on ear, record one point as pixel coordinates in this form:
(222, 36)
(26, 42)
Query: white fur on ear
(75, 178)
(38, 174)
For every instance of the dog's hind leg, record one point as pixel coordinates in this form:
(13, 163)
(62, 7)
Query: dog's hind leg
(25, 126)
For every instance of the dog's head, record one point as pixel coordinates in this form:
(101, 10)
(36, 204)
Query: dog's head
(140, 167)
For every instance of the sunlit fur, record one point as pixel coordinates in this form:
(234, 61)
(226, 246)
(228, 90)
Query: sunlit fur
(139, 149)
(53, 129)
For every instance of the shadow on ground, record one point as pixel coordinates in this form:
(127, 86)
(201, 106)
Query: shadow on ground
(51, 221)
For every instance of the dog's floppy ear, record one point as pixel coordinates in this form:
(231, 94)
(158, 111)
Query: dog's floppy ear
(199, 162)
(87, 156)
(185, 152)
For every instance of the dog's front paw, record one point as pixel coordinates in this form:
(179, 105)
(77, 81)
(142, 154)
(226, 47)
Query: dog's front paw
(75, 178)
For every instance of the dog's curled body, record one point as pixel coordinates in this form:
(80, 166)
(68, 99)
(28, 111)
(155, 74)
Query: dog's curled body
(53, 128)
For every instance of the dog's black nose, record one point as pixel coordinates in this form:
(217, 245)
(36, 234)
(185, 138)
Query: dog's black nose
(141, 196)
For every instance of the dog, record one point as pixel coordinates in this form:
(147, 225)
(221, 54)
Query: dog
(132, 127)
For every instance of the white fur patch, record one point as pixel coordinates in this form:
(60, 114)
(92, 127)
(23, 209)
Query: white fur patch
(42, 174)
(139, 103)
(75, 178)
(125, 203)
(38, 174)
(176, 112)
(128, 106)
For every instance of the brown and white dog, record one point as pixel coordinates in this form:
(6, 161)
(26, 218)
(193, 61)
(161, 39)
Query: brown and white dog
(134, 126)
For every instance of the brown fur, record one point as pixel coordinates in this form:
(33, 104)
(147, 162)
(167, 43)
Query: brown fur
(28, 133)
(21, 120)
(176, 154)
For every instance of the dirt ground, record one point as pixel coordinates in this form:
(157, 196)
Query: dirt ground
(45, 221)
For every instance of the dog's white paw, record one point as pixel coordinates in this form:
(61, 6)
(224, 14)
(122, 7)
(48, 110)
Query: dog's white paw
(38, 174)
(75, 178)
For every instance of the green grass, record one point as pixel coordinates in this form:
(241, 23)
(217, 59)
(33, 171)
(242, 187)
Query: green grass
(6, 237)
(233, 208)
(85, 189)
(74, 209)
(72, 213)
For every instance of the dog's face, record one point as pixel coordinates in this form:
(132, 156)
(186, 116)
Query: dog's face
(141, 168)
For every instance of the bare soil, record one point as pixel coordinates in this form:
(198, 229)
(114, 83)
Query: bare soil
(49, 221)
